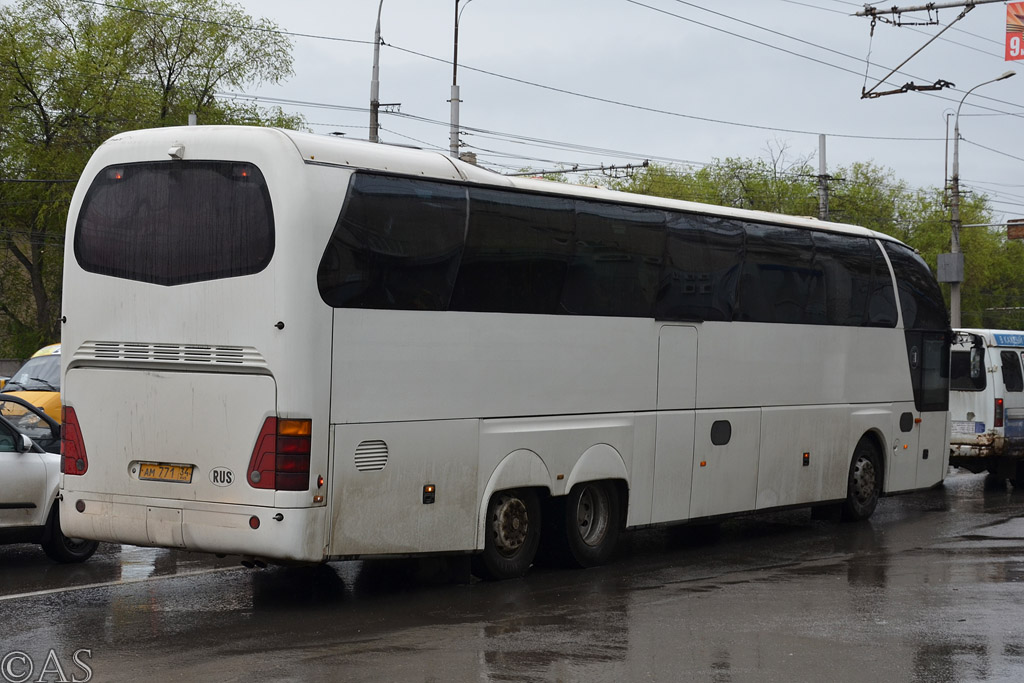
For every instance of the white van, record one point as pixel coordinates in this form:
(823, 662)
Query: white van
(986, 402)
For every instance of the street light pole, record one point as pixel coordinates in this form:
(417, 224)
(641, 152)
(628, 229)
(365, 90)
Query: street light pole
(954, 285)
(375, 82)
(453, 145)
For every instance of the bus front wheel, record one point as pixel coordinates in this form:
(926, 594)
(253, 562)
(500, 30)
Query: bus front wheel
(512, 535)
(864, 485)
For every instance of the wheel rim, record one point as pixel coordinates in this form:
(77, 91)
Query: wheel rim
(76, 545)
(511, 524)
(592, 515)
(864, 479)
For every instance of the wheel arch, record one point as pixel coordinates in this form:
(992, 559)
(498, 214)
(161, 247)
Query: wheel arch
(877, 440)
(599, 462)
(520, 469)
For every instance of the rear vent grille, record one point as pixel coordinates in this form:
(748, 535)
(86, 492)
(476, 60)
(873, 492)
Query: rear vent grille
(136, 353)
(371, 456)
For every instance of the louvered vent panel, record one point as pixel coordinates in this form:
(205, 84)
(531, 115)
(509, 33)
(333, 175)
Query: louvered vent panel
(108, 352)
(371, 456)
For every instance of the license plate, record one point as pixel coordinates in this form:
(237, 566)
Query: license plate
(154, 471)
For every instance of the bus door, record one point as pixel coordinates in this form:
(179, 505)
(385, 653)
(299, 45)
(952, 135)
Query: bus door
(677, 390)
(927, 439)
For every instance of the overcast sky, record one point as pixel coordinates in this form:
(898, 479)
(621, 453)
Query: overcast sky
(596, 82)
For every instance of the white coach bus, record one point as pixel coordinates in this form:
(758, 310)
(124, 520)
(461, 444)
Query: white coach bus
(296, 348)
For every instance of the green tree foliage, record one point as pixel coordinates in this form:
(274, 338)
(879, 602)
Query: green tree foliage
(73, 73)
(868, 195)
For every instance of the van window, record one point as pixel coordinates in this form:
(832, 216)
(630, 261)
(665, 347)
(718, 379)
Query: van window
(963, 377)
(1012, 377)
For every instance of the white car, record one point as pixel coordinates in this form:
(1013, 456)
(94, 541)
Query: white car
(29, 477)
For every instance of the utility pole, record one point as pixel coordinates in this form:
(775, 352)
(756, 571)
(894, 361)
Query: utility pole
(453, 136)
(823, 179)
(453, 145)
(375, 82)
(951, 266)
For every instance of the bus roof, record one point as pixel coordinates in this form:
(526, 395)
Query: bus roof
(336, 151)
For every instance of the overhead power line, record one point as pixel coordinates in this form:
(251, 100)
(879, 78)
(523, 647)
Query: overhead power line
(584, 95)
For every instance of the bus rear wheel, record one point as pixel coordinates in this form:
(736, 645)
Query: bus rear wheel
(864, 486)
(512, 535)
(592, 523)
(583, 526)
(60, 548)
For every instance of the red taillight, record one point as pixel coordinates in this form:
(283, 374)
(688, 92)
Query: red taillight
(72, 447)
(280, 458)
(998, 420)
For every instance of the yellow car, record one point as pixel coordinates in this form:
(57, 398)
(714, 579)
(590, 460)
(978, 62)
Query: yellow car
(38, 380)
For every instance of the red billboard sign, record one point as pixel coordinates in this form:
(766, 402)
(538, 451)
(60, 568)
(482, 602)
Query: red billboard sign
(1014, 31)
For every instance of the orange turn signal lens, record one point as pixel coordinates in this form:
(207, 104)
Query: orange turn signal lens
(294, 427)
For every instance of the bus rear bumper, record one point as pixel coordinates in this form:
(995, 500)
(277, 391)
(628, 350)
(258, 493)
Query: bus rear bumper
(285, 535)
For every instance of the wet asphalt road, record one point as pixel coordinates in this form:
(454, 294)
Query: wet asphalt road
(930, 589)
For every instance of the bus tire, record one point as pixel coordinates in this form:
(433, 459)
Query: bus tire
(512, 535)
(60, 548)
(864, 485)
(592, 523)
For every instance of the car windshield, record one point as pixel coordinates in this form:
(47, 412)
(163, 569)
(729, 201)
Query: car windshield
(41, 373)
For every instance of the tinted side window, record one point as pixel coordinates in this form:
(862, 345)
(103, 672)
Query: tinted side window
(701, 269)
(1012, 377)
(396, 245)
(920, 297)
(616, 260)
(175, 222)
(517, 251)
(780, 282)
(858, 287)
(962, 375)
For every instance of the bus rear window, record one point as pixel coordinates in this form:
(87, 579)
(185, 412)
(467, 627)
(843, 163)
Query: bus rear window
(176, 222)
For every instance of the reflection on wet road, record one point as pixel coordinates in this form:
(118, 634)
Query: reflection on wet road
(931, 589)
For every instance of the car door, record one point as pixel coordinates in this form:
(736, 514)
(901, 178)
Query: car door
(22, 482)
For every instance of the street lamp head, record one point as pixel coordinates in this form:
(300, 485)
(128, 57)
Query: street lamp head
(1007, 75)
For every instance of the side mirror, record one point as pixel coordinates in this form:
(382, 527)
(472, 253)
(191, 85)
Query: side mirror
(22, 443)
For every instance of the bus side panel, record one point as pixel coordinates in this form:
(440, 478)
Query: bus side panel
(642, 474)
(786, 475)
(673, 468)
(902, 470)
(932, 445)
(379, 500)
(757, 364)
(558, 441)
(423, 365)
(725, 461)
